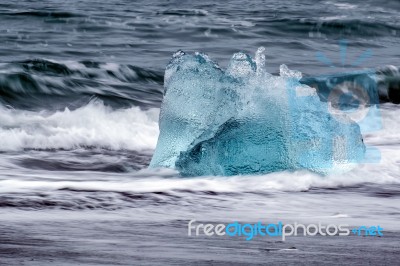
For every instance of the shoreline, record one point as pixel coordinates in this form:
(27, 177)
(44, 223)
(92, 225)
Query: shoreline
(113, 241)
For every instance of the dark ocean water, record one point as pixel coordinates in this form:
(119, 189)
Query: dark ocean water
(117, 50)
(81, 83)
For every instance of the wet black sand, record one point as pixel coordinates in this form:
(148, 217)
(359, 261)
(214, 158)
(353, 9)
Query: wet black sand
(110, 241)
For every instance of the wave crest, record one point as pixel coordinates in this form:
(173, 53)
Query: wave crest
(93, 125)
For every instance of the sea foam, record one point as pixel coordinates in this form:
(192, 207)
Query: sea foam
(93, 125)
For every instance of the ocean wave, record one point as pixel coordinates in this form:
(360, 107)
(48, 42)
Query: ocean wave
(40, 84)
(93, 125)
(134, 128)
(113, 187)
(382, 85)
(388, 134)
(90, 190)
(147, 181)
(331, 25)
(46, 84)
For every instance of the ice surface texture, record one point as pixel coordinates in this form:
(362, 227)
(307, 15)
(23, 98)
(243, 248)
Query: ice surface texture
(245, 121)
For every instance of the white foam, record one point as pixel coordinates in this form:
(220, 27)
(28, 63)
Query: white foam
(345, 6)
(91, 125)
(156, 180)
(389, 133)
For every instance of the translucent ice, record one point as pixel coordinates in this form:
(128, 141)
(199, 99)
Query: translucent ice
(244, 120)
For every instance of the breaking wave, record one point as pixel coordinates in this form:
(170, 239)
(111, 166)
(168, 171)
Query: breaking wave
(92, 125)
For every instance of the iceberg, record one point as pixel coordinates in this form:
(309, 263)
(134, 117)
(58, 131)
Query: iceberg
(244, 120)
